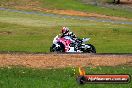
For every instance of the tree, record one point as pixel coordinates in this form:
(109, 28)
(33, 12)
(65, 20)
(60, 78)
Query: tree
(116, 1)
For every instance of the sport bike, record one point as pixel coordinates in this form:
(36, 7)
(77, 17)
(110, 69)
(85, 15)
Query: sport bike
(66, 44)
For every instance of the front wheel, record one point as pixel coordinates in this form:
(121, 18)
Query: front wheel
(91, 49)
(57, 48)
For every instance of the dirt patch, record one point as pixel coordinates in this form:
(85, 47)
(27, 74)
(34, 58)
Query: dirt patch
(36, 5)
(79, 13)
(12, 3)
(5, 32)
(63, 60)
(72, 13)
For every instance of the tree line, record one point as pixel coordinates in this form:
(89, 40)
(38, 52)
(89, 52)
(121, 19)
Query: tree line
(116, 1)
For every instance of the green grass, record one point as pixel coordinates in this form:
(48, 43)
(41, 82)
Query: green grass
(67, 5)
(21, 77)
(34, 33)
(78, 5)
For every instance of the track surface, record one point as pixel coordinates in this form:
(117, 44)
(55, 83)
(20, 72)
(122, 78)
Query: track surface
(63, 60)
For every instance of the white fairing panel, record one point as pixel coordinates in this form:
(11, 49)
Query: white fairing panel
(71, 49)
(55, 40)
(85, 39)
(87, 46)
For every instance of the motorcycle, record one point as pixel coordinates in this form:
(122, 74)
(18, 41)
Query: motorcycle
(66, 44)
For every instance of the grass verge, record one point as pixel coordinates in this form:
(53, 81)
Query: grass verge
(65, 5)
(14, 77)
(34, 33)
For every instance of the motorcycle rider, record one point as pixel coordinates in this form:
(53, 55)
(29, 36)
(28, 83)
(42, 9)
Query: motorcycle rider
(76, 40)
(66, 32)
(73, 36)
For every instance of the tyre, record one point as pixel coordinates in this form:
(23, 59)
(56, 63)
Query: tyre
(52, 48)
(61, 48)
(91, 49)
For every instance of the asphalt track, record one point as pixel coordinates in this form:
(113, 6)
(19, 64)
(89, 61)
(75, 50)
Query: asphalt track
(69, 17)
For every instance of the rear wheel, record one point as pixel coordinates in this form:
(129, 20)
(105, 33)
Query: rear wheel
(91, 49)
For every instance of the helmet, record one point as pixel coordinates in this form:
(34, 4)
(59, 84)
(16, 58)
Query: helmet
(65, 30)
